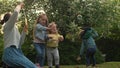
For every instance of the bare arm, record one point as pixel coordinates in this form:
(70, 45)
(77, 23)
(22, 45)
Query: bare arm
(23, 34)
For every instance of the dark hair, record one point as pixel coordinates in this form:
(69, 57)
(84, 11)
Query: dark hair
(82, 34)
(5, 18)
(85, 30)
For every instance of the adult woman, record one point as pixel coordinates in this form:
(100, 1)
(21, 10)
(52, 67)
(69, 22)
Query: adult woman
(12, 55)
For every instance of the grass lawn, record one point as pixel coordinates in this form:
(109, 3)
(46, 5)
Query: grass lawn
(104, 65)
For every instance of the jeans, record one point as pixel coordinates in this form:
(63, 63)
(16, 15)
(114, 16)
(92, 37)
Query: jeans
(14, 57)
(90, 56)
(40, 48)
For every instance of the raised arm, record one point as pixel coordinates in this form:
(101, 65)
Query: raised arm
(40, 27)
(11, 22)
(22, 38)
(89, 33)
(94, 33)
(23, 34)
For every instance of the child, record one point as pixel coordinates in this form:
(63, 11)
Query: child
(12, 55)
(88, 45)
(39, 36)
(52, 45)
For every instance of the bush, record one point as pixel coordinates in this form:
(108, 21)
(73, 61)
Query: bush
(111, 48)
(70, 50)
(1, 48)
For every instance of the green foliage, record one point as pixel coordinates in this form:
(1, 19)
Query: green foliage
(70, 15)
(110, 48)
(1, 49)
(68, 53)
(99, 57)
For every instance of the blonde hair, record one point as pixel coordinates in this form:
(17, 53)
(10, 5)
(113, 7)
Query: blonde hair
(51, 25)
(37, 21)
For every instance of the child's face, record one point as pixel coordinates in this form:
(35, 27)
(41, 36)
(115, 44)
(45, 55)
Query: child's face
(54, 28)
(43, 20)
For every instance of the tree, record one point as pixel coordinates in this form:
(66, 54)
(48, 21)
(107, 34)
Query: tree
(70, 15)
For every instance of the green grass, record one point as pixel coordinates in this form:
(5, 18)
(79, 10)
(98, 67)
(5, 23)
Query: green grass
(104, 65)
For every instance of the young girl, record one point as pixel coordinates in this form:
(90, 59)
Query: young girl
(12, 55)
(52, 45)
(39, 36)
(88, 45)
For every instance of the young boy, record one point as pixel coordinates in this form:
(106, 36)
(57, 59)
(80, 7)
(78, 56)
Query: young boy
(88, 45)
(52, 45)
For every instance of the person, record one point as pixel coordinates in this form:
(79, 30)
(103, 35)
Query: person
(39, 38)
(88, 45)
(52, 45)
(12, 55)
